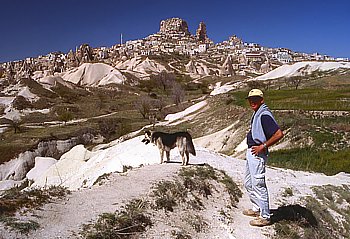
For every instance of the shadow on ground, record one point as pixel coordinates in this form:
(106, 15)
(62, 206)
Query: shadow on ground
(294, 213)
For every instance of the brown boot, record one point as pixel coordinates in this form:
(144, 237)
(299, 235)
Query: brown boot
(260, 222)
(251, 213)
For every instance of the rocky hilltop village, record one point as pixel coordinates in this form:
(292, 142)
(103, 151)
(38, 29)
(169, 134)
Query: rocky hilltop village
(233, 55)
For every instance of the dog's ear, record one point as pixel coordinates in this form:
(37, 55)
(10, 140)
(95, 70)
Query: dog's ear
(146, 141)
(147, 137)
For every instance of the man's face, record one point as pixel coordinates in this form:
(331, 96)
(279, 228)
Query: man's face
(255, 102)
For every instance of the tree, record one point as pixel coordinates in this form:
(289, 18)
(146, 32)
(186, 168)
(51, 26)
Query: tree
(294, 81)
(21, 103)
(107, 127)
(16, 125)
(143, 105)
(165, 79)
(65, 116)
(178, 93)
(258, 84)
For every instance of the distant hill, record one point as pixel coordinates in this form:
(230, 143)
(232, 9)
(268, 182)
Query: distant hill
(304, 68)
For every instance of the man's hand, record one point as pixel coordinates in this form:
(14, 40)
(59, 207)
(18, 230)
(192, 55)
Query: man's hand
(258, 149)
(262, 147)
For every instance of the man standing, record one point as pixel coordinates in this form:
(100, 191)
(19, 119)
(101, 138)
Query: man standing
(264, 132)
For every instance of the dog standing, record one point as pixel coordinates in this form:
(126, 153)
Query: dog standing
(167, 141)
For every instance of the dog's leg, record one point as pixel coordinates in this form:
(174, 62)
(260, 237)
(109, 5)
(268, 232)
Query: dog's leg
(167, 156)
(187, 157)
(161, 155)
(182, 156)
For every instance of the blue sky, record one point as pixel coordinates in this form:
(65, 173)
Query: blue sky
(36, 27)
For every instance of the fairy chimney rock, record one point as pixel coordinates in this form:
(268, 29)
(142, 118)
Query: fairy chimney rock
(201, 32)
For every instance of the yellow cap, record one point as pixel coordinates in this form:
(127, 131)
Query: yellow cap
(255, 92)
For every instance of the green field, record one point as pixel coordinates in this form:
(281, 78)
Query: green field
(303, 99)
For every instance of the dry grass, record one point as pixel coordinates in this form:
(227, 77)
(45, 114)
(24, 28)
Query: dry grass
(20, 201)
(180, 201)
(327, 215)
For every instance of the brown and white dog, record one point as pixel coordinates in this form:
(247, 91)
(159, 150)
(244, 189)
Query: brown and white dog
(167, 141)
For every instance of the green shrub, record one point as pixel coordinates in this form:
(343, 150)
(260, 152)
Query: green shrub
(127, 223)
(168, 194)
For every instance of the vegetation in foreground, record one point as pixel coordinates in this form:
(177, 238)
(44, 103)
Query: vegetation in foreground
(177, 201)
(17, 200)
(327, 215)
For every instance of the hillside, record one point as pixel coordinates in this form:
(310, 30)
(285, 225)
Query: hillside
(303, 69)
(73, 165)
(288, 189)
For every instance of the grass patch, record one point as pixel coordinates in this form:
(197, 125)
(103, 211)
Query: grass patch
(197, 222)
(311, 159)
(326, 215)
(16, 200)
(288, 192)
(168, 194)
(22, 227)
(193, 184)
(301, 99)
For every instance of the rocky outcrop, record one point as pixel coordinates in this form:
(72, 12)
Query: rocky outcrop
(85, 53)
(94, 74)
(173, 26)
(17, 169)
(265, 67)
(227, 68)
(191, 67)
(201, 33)
(236, 40)
(41, 165)
(197, 68)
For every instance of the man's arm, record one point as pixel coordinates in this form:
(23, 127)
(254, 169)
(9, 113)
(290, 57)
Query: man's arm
(271, 141)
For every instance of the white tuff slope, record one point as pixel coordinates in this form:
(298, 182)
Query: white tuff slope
(302, 68)
(94, 74)
(142, 67)
(60, 219)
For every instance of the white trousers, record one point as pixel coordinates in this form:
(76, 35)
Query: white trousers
(255, 184)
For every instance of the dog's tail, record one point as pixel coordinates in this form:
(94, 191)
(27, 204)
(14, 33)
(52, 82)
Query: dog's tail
(190, 146)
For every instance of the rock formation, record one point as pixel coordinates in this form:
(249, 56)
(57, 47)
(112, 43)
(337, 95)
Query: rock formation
(265, 67)
(227, 68)
(236, 40)
(191, 67)
(174, 25)
(201, 32)
(85, 53)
